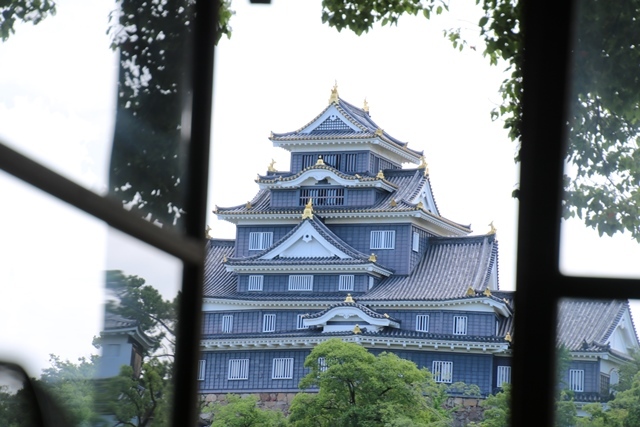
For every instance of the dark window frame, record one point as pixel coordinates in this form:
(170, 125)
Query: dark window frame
(540, 285)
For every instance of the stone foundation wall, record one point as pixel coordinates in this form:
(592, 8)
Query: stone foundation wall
(466, 409)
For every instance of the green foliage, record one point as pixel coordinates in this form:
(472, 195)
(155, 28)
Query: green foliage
(497, 409)
(71, 385)
(140, 402)
(602, 185)
(12, 11)
(357, 388)
(243, 412)
(143, 303)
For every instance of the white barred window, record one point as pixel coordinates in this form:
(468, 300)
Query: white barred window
(504, 375)
(269, 323)
(301, 282)
(385, 239)
(459, 325)
(202, 365)
(282, 369)
(300, 322)
(238, 369)
(322, 364)
(422, 323)
(415, 244)
(259, 240)
(345, 283)
(227, 324)
(255, 283)
(442, 371)
(576, 379)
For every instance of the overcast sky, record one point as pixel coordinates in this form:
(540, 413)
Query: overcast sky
(274, 74)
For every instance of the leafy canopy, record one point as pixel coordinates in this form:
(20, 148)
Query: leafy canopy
(356, 388)
(602, 182)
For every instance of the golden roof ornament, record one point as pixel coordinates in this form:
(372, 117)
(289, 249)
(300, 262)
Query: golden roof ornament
(507, 337)
(365, 107)
(349, 298)
(492, 229)
(333, 99)
(271, 135)
(357, 176)
(386, 316)
(270, 168)
(420, 205)
(308, 210)
(379, 132)
(393, 203)
(207, 232)
(224, 259)
(320, 162)
(380, 175)
(470, 292)
(248, 205)
(357, 330)
(487, 292)
(373, 258)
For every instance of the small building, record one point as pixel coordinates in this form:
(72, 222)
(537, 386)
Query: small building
(122, 343)
(349, 243)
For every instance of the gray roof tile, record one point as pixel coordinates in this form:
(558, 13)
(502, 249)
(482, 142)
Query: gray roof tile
(585, 325)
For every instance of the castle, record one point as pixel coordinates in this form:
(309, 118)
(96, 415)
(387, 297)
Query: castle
(350, 244)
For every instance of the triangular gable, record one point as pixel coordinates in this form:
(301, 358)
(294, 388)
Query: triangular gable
(425, 196)
(623, 338)
(331, 121)
(305, 242)
(345, 316)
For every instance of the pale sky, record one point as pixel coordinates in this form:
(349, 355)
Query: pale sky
(274, 74)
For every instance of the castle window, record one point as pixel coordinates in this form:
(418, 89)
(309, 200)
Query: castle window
(422, 323)
(301, 282)
(255, 283)
(202, 364)
(238, 369)
(576, 379)
(322, 364)
(504, 375)
(415, 246)
(345, 282)
(384, 239)
(282, 369)
(327, 196)
(300, 322)
(259, 240)
(269, 323)
(227, 324)
(442, 371)
(459, 325)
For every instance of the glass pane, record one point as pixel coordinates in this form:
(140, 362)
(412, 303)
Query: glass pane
(79, 301)
(100, 97)
(597, 362)
(602, 233)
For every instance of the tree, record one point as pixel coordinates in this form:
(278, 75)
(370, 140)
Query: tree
(71, 385)
(243, 412)
(135, 300)
(356, 388)
(602, 184)
(138, 401)
(23, 11)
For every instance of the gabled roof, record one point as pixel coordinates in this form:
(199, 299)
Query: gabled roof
(411, 185)
(217, 280)
(588, 325)
(449, 267)
(308, 244)
(342, 120)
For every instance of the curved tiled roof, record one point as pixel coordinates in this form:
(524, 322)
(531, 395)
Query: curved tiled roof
(585, 325)
(449, 267)
(282, 178)
(358, 117)
(366, 310)
(408, 181)
(217, 280)
(357, 256)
